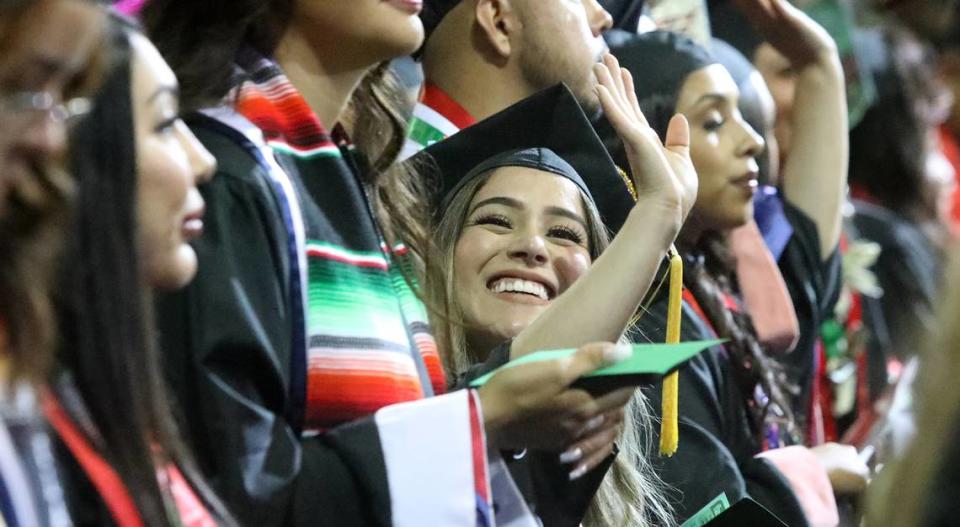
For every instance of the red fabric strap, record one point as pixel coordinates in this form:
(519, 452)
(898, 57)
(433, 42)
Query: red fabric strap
(443, 104)
(107, 482)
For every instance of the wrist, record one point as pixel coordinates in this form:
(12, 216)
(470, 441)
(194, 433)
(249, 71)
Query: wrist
(494, 419)
(658, 217)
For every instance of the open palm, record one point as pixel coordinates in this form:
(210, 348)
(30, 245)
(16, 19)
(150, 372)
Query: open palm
(662, 170)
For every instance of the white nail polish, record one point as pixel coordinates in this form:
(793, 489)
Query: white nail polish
(571, 455)
(578, 472)
(594, 423)
(617, 353)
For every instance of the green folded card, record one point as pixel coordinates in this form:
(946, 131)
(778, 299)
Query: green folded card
(648, 363)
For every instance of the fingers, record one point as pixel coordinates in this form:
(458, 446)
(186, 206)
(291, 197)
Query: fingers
(590, 451)
(592, 357)
(615, 400)
(632, 97)
(678, 135)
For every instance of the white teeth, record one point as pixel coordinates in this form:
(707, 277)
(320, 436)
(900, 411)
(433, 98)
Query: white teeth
(515, 285)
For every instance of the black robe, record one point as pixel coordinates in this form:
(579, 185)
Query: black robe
(717, 443)
(814, 285)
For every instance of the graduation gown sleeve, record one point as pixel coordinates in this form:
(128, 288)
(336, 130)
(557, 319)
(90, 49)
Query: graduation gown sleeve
(814, 285)
(227, 340)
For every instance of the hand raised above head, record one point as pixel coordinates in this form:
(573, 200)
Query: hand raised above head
(789, 30)
(662, 171)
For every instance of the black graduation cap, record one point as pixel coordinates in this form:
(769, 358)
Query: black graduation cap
(547, 131)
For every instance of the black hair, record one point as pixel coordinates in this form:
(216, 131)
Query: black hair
(108, 348)
(201, 39)
(888, 161)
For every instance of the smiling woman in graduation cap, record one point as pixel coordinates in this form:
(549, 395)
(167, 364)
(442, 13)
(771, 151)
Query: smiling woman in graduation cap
(526, 198)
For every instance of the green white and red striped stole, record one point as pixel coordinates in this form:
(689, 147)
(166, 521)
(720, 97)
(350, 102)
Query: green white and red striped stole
(436, 117)
(368, 343)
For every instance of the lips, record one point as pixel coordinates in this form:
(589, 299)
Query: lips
(411, 6)
(748, 182)
(193, 225)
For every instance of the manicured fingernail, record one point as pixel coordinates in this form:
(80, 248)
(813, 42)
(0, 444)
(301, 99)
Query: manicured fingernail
(578, 472)
(618, 353)
(571, 455)
(594, 423)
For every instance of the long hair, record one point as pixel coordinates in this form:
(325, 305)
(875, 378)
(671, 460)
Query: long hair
(201, 39)
(632, 493)
(400, 190)
(104, 307)
(709, 274)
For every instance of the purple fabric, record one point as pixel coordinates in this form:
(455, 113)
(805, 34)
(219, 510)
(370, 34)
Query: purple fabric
(771, 220)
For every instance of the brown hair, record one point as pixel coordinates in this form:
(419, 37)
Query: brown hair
(709, 275)
(632, 492)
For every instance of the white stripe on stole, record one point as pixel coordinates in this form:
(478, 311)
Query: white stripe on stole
(434, 119)
(427, 448)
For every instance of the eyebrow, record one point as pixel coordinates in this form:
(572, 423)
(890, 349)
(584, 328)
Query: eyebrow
(167, 88)
(711, 98)
(517, 204)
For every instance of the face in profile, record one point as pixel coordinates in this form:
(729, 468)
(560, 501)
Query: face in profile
(561, 41)
(723, 149)
(36, 74)
(362, 31)
(170, 164)
(524, 242)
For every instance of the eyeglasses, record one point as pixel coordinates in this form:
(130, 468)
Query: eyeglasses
(38, 105)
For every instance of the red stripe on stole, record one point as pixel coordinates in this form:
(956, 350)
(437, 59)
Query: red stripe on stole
(480, 483)
(431, 361)
(336, 396)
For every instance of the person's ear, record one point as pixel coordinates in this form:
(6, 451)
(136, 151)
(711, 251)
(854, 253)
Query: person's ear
(499, 25)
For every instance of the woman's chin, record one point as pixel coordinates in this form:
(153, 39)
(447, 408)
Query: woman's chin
(175, 272)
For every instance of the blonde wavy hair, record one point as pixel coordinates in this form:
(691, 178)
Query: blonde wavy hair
(632, 493)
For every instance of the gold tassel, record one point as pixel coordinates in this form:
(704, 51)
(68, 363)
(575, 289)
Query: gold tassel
(669, 429)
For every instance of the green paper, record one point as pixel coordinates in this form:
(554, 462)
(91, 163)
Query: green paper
(647, 359)
(709, 512)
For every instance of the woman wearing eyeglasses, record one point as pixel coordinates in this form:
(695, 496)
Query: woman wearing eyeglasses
(36, 76)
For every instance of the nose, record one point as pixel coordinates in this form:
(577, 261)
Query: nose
(752, 143)
(202, 163)
(530, 248)
(45, 137)
(600, 20)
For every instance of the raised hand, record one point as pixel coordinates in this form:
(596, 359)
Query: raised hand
(662, 171)
(532, 406)
(795, 35)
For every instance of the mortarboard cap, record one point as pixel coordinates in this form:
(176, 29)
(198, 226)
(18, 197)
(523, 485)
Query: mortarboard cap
(547, 131)
(729, 24)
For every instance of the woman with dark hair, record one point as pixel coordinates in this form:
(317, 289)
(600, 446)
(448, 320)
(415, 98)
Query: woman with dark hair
(302, 335)
(901, 184)
(136, 166)
(738, 419)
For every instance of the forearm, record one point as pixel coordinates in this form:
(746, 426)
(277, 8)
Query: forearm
(600, 304)
(815, 174)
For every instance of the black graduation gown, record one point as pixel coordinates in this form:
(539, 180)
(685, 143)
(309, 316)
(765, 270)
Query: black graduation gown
(814, 285)
(717, 443)
(908, 269)
(227, 342)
